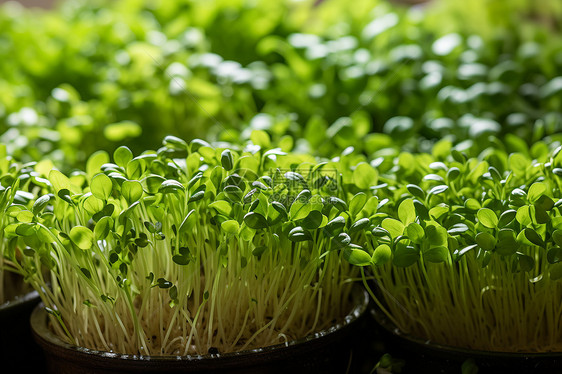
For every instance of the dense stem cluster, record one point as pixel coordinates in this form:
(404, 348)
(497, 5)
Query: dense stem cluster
(196, 246)
(468, 254)
(192, 260)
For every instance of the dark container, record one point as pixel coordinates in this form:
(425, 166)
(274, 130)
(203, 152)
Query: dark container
(18, 349)
(421, 356)
(329, 351)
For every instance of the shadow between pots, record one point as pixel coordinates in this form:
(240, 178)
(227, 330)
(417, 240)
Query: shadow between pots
(18, 350)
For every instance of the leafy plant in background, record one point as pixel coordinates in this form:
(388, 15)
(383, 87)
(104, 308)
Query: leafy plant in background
(467, 248)
(132, 72)
(402, 76)
(104, 77)
(208, 242)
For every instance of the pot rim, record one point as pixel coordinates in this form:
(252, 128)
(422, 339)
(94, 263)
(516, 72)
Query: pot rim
(47, 339)
(29, 297)
(391, 328)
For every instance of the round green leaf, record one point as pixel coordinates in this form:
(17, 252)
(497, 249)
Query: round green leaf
(170, 186)
(415, 232)
(523, 215)
(95, 161)
(382, 255)
(405, 256)
(313, 220)
(103, 227)
(438, 189)
(357, 257)
(122, 156)
(222, 207)
(25, 216)
(541, 215)
(407, 212)
(101, 186)
(365, 176)
(82, 237)
(233, 193)
(544, 202)
(255, 221)
(300, 209)
(453, 174)
(359, 225)
(135, 168)
(226, 160)
(536, 190)
(152, 183)
(298, 234)
(472, 204)
(93, 205)
(486, 241)
(554, 255)
(261, 138)
(555, 271)
(435, 234)
(336, 225)
(507, 242)
(197, 195)
(231, 226)
(461, 252)
(457, 229)
(59, 180)
(41, 203)
(342, 240)
(44, 235)
(557, 237)
(357, 203)
(416, 191)
(182, 257)
(174, 142)
(488, 218)
(394, 227)
(534, 237)
(188, 222)
(436, 254)
(26, 229)
(507, 217)
(338, 203)
(132, 191)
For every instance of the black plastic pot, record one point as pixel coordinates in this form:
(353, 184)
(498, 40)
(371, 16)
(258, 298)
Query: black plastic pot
(421, 356)
(329, 351)
(18, 349)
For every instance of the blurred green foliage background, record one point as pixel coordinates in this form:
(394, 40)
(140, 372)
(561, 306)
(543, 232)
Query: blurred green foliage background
(318, 76)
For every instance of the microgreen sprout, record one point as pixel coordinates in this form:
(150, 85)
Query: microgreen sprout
(466, 251)
(207, 252)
